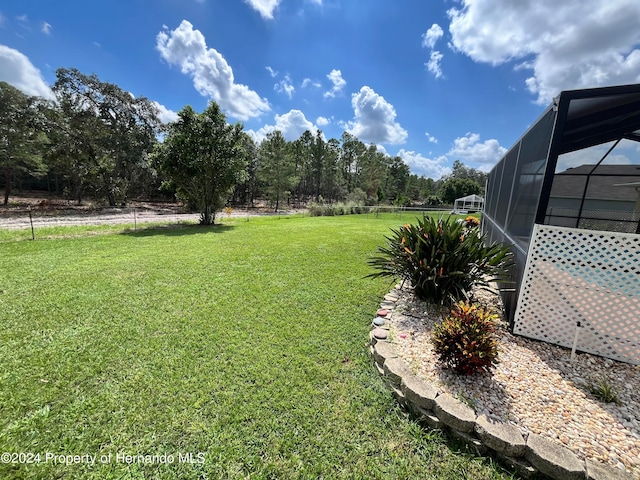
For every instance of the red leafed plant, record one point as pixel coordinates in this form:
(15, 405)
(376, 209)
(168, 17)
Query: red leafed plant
(465, 341)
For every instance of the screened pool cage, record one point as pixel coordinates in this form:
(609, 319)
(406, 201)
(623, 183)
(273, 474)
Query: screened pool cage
(468, 204)
(566, 197)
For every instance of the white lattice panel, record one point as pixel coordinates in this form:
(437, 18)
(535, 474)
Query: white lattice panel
(585, 276)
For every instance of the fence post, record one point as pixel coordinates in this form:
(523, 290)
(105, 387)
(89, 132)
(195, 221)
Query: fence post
(33, 235)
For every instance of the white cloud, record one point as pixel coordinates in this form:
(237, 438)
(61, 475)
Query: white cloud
(285, 86)
(429, 40)
(271, 71)
(431, 36)
(431, 138)
(567, 45)
(381, 149)
(374, 119)
(433, 65)
(469, 149)
(338, 83)
(23, 18)
(307, 82)
(17, 70)
(264, 7)
(165, 114)
(421, 165)
(46, 28)
(212, 75)
(322, 121)
(291, 124)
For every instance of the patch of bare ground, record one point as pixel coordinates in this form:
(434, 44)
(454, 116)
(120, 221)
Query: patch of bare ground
(44, 211)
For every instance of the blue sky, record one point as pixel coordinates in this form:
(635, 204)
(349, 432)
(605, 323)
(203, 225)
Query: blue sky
(429, 80)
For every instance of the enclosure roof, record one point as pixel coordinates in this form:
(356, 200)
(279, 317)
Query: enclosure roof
(471, 198)
(572, 182)
(599, 115)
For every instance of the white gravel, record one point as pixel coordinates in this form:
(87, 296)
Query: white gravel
(535, 386)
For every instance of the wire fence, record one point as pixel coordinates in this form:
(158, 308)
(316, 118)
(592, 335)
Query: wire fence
(37, 219)
(34, 218)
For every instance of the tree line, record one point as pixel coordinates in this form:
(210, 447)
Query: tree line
(97, 140)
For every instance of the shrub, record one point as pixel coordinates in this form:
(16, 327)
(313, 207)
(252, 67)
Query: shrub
(442, 259)
(465, 341)
(319, 209)
(358, 197)
(315, 210)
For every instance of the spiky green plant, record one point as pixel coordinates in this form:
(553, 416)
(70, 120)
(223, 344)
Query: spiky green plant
(442, 259)
(603, 390)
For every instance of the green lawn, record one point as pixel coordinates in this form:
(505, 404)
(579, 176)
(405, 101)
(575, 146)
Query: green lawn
(245, 343)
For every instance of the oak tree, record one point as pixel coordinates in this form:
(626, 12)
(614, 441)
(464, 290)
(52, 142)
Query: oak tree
(21, 137)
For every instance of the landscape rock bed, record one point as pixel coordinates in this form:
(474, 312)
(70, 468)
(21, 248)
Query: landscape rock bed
(533, 411)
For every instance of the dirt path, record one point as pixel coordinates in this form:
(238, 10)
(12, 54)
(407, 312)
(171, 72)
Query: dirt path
(21, 220)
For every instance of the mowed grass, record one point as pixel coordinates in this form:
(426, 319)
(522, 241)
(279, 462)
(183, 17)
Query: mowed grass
(242, 344)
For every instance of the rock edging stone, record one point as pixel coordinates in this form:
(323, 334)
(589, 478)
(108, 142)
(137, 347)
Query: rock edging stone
(534, 456)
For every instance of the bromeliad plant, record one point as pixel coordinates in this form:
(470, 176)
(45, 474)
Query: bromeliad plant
(471, 221)
(442, 259)
(465, 341)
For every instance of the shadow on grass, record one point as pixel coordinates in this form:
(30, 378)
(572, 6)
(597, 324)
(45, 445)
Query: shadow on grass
(177, 229)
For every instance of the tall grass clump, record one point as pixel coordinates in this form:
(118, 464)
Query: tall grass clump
(335, 209)
(442, 259)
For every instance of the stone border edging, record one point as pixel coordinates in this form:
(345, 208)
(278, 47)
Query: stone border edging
(528, 457)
